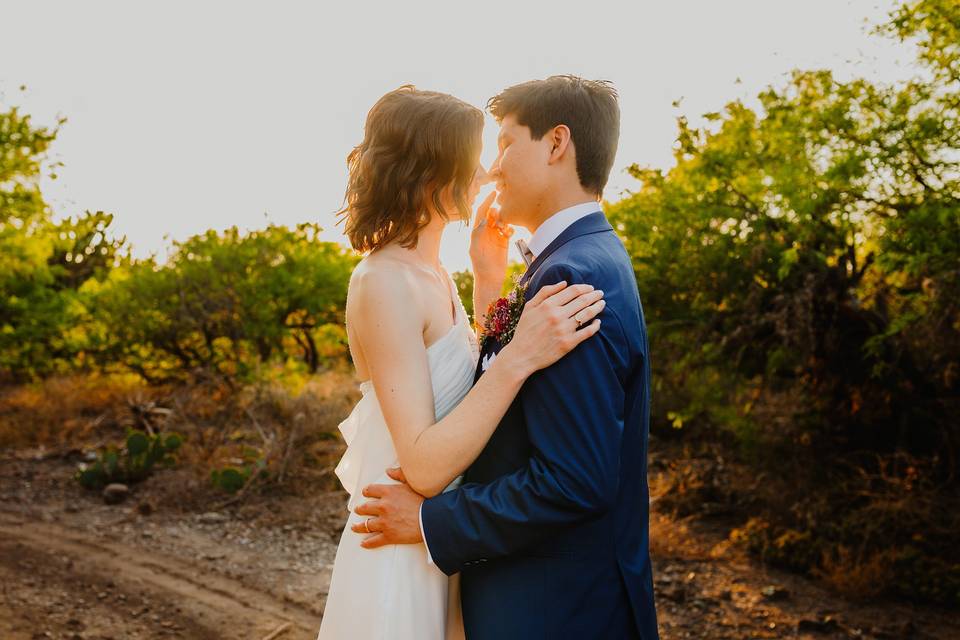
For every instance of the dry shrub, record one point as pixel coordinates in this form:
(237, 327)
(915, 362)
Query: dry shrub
(68, 410)
(876, 525)
(695, 486)
(303, 424)
(288, 424)
(272, 432)
(864, 576)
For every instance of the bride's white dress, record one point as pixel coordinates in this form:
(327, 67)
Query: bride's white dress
(393, 593)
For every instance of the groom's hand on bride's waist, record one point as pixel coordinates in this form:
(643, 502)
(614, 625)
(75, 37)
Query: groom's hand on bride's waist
(392, 513)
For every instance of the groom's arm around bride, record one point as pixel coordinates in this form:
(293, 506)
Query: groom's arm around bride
(558, 541)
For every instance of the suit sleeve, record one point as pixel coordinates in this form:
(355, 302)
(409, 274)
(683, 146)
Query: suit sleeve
(574, 414)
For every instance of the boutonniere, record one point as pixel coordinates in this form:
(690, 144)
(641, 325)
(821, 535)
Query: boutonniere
(502, 316)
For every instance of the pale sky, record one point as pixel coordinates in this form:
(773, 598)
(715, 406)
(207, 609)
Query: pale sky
(185, 116)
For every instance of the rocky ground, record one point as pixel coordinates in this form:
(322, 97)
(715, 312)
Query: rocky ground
(155, 566)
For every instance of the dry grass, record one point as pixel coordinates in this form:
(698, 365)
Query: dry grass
(288, 429)
(863, 577)
(64, 411)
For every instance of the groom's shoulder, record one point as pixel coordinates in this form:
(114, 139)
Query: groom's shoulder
(595, 258)
(602, 261)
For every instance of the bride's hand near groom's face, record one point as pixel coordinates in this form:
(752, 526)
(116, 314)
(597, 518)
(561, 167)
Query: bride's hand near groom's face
(489, 242)
(393, 513)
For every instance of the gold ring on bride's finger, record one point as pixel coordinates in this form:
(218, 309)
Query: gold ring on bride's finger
(366, 525)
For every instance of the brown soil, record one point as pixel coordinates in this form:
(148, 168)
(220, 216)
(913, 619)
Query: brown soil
(74, 567)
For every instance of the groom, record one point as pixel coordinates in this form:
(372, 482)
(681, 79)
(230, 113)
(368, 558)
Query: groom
(549, 529)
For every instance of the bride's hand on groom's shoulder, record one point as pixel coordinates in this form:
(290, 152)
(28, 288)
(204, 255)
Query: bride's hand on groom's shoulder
(557, 319)
(393, 513)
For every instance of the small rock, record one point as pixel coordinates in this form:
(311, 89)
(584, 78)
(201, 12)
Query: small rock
(115, 493)
(773, 593)
(906, 629)
(677, 593)
(211, 517)
(827, 625)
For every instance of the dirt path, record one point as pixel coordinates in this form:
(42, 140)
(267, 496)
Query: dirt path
(207, 605)
(705, 588)
(72, 567)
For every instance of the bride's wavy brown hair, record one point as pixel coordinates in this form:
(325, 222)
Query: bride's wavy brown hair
(415, 145)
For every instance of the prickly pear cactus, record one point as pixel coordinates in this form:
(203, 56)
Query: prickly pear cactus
(141, 453)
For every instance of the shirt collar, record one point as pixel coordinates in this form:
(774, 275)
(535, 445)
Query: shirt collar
(553, 226)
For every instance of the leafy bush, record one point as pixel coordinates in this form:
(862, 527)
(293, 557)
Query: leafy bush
(799, 267)
(232, 479)
(225, 303)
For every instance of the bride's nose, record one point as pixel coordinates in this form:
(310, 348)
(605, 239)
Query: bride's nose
(483, 177)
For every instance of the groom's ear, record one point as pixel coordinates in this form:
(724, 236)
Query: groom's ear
(559, 138)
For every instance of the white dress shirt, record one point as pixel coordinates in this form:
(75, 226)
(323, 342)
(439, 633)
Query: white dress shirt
(548, 231)
(551, 228)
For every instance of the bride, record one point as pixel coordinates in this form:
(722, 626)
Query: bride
(417, 168)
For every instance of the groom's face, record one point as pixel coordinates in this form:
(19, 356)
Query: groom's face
(520, 172)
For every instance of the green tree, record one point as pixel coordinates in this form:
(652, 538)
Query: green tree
(224, 303)
(800, 271)
(42, 263)
(789, 244)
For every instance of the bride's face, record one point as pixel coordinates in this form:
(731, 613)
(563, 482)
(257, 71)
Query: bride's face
(480, 178)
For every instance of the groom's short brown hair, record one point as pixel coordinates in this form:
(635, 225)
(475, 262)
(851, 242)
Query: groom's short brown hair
(589, 108)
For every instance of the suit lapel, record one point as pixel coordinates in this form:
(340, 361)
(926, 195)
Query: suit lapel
(593, 223)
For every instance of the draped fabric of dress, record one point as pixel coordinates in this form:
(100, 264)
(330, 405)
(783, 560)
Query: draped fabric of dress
(393, 592)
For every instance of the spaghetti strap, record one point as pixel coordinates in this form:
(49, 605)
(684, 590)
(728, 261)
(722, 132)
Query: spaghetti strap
(455, 304)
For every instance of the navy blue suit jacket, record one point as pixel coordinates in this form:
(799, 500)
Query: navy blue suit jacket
(550, 526)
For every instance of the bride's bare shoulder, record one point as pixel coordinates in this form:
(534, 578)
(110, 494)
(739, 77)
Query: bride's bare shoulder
(383, 278)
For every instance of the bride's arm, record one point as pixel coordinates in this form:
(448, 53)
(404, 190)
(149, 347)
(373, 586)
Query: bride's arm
(390, 331)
